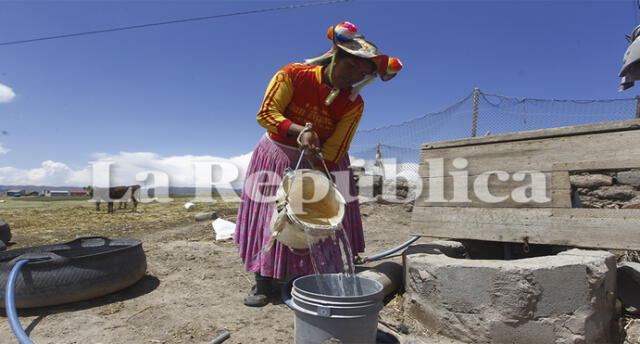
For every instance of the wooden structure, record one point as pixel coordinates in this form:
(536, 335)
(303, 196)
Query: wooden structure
(515, 187)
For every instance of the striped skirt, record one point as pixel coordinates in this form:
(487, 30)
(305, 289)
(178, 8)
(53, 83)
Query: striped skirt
(263, 177)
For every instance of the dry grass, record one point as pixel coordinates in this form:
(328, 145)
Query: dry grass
(44, 222)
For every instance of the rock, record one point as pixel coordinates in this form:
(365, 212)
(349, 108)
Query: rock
(211, 215)
(633, 332)
(634, 203)
(590, 180)
(583, 191)
(617, 192)
(332, 341)
(631, 177)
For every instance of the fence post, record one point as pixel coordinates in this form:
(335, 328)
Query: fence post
(637, 106)
(474, 125)
(378, 163)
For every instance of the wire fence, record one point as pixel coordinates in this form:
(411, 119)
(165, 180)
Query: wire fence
(397, 147)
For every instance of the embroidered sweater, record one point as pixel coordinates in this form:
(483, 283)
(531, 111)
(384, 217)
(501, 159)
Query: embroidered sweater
(296, 94)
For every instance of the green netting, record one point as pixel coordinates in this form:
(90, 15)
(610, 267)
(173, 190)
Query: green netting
(496, 114)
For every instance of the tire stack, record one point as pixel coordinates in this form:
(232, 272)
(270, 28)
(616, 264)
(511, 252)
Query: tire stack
(5, 235)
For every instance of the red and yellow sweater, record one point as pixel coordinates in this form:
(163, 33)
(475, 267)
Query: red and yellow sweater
(296, 94)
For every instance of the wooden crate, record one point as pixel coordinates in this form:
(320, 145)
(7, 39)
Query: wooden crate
(452, 203)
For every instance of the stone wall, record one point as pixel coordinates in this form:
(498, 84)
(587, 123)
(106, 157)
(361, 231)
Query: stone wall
(611, 189)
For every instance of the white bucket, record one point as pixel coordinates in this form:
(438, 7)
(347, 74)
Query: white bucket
(320, 316)
(306, 200)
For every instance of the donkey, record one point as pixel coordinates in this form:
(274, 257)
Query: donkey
(114, 193)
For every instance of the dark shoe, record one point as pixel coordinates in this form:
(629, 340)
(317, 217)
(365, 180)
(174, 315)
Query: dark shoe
(259, 294)
(256, 300)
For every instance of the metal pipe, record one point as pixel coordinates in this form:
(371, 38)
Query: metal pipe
(221, 338)
(10, 304)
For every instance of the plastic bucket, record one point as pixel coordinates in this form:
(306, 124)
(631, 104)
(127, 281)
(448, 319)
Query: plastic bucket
(309, 207)
(321, 316)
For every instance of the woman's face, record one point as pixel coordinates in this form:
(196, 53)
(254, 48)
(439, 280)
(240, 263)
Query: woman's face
(349, 71)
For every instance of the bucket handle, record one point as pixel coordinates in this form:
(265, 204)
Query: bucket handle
(308, 127)
(285, 292)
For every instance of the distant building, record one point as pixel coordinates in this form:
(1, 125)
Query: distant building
(16, 192)
(78, 192)
(51, 193)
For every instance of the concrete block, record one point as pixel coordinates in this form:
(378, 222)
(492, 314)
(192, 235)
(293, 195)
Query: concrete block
(525, 333)
(564, 298)
(566, 289)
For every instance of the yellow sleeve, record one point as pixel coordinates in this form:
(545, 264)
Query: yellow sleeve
(338, 143)
(276, 99)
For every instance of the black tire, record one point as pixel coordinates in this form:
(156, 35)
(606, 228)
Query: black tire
(5, 232)
(78, 270)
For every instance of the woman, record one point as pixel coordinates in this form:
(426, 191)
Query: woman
(319, 92)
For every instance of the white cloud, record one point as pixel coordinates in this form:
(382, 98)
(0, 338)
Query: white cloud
(124, 167)
(4, 150)
(6, 94)
(180, 169)
(49, 173)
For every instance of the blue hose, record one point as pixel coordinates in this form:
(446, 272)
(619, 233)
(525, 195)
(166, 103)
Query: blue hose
(390, 252)
(10, 303)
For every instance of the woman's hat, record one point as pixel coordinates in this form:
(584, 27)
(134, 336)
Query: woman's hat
(346, 37)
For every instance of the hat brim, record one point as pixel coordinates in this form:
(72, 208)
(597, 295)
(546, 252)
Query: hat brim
(359, 47)
(387, 76)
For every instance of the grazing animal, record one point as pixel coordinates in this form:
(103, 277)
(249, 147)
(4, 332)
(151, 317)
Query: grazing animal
(115, 193)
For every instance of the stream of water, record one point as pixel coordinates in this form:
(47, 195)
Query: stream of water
(334, 255)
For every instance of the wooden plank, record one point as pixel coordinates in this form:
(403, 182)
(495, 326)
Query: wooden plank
(597, 228)
(536, 155)
(594, 165)
(631, 124)
(474, 191)
(560, 190)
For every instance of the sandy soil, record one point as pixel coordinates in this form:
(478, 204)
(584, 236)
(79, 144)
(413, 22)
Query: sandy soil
(193, 292)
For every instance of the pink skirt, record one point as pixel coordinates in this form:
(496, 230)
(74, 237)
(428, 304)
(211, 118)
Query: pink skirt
(254, 215)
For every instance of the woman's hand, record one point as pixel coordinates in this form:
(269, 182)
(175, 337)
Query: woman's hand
(311, 142)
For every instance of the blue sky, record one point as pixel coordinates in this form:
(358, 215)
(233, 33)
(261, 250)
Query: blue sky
(193, 89)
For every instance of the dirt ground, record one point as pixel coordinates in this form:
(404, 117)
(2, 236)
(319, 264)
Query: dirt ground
(194, 286)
